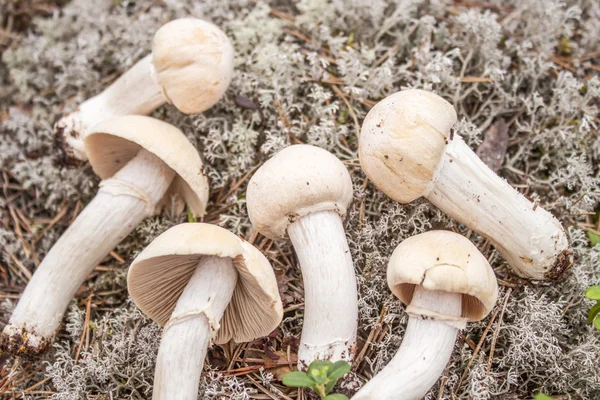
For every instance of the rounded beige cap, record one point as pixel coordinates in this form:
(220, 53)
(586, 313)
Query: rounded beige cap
(299, 180)
(444, 261)
(402, 141)
(113, 143)
(193, 63)
(159, 274)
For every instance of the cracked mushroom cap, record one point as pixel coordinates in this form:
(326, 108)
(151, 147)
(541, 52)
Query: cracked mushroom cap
(113, 143)
(443, 261)
(159, 274)
(402, 141)
(193, 63)
(299, 180)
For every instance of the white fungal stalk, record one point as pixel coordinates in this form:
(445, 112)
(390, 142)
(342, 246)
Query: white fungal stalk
(424, 353)
(120, 205)
(188, 333)
(135, 93)
(530, 238)
(330, 316)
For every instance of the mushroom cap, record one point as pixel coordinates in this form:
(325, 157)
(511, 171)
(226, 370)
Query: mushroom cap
(402, 141)
(299, 180)
(114, 142)
(193, 63)
(444, 261)
(161, 271)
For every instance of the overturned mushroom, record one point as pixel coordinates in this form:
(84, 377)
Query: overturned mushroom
(445, 282)
(144, 164)
(190, 66)
(204, 285)
(305, 191)
(408, 149)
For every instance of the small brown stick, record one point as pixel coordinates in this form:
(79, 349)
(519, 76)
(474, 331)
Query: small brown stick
(372, 334)
(341, 94)
(497, 332)
(84, 333)
(53, 222)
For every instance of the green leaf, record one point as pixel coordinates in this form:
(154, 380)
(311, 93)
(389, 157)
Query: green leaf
(337, 370)
(298, 379)
(190, 216)
(336, 396)
(593, 312)
(597, 323)
(318, 370)
(542, 396)
(594, 238)
(593, 292)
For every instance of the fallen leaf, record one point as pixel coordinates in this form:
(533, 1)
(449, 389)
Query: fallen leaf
(495, 143)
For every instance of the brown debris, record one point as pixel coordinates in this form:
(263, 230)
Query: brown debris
(493, 148)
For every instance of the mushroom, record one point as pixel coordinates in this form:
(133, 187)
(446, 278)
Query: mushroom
(204, 285)
(305, 191)
(445, 282)
(190, 66)
(408, 149)
(144, 164)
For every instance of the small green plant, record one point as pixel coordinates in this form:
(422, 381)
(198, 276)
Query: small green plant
(593, 293)
(321, 377)
(542, 396)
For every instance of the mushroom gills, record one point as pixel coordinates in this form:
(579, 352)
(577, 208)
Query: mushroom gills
(189, 332)
(127, 198)
(330, 315)
(423, 354)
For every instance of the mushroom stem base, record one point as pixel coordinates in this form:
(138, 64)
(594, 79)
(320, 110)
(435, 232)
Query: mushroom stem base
(188, 333)
(425, 350)
(330, 305)
(105, 222)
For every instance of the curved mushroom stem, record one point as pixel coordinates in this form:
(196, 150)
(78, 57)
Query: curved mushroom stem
(188, 333)
(530, 238)
(423, 355)
(330, 294)
(134, 93)
(115, 211)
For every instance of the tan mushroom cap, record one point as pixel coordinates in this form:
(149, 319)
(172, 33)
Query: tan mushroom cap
(159, 274)
(444, 261)
(113, 143)
(299, 180)
(402, 141)
(193, 62)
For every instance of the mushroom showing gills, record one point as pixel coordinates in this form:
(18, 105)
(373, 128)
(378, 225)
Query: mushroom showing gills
(305, 191)
(190, 66)
(144, 164)
(408, 149)
(445, 282)
(204, 285)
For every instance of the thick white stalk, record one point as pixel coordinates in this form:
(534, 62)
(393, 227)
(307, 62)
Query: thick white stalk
(530, 238)
(330, 294)
(120, 205)
(188, 333)
(423, 355)
(136, 92)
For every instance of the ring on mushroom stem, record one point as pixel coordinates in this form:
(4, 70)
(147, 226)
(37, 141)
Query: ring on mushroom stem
(408, 149)
(190, 66)
(305, 191)
(145, 164)
(204, 285)
(445, 282)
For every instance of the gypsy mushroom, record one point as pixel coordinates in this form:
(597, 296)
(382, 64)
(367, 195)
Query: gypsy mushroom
(144, 164)
(305, 191)
(203, 284)
(190, 66)
(408, 149)
(445, 282)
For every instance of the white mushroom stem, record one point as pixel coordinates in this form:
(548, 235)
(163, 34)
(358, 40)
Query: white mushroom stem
(120, 205)
(193, 323)
(424, 353)
(330, 294)
(530, 238)
(136, 92)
